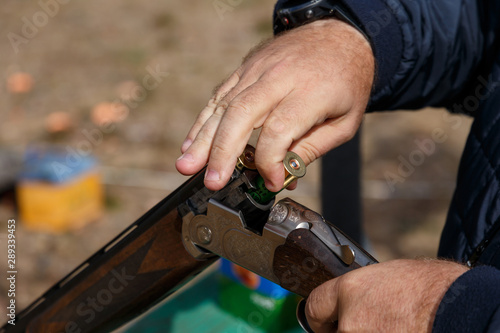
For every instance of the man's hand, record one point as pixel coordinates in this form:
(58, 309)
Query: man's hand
(307, 90)
(395, 296)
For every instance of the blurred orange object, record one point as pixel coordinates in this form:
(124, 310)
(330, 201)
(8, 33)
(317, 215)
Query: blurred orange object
(249, 279)
(19, 83)
(59, 121)
(106, 112)
(60, 207)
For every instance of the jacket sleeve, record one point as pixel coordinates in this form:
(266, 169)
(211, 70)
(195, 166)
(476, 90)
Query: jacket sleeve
(426, 51)
(471, 304)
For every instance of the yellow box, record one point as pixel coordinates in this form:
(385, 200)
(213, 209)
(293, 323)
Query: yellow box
(61, 207)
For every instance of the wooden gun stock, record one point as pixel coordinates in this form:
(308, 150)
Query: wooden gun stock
(304, 262)
(139, 268)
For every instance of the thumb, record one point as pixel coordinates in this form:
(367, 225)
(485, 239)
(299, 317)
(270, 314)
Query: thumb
(322, 307)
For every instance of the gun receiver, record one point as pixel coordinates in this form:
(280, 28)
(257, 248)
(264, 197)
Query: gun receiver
(287, 243)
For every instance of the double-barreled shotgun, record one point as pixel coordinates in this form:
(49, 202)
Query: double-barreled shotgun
(182, 235)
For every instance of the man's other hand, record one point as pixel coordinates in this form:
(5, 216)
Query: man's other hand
(395, 296)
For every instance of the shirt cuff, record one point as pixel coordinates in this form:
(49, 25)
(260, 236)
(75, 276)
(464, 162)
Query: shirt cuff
(381, 25)
(470, 302)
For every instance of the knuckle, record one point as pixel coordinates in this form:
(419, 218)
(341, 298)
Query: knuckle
(226, 86)
(311, 152)
(223, 138)
(350, 133)
(312, 310)
(204, 137)
(221, 108)
(270, 169)
(203, 141)
(281, 69)
(275, 125)
(348, 284)
(205, 114)
(254, 65)
(222, 154)
(218, 150)
(273, 172)
(239, 107)
(211, 105)
(218, 96)
(346, 134)
(278, 71)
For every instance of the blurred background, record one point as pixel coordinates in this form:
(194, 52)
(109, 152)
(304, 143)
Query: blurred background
(116, 85)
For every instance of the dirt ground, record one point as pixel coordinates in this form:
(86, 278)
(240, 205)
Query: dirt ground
(86, 51)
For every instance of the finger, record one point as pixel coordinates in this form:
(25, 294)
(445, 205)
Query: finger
(293, 185)
(202, 118)
(244, 113)
(196, 155)
(287, 123)
(195, 158)
(226, 86)
(209, 110)
(325, 137)
(322, 307)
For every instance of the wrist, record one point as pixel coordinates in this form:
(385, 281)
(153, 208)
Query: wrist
(292, 14)
(339, 27)
(442, 274)
(377, 20)
(347, 46)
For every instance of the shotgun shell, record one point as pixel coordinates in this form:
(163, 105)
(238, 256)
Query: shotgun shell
(295, 168)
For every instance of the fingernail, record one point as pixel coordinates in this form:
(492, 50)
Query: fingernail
(186, 157)
(212, 175)
(187, 143)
